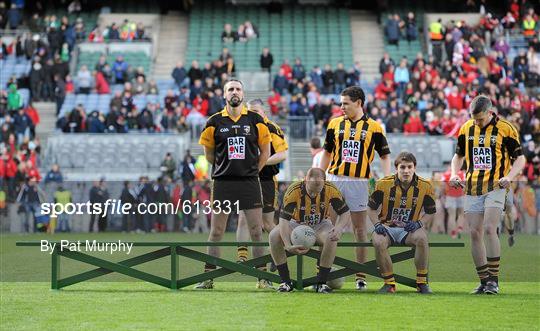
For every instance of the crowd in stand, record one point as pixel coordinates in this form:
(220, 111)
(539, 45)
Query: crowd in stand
(245, 32)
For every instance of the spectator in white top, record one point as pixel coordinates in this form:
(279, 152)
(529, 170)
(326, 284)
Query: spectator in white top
(84, 79)
(316, 152)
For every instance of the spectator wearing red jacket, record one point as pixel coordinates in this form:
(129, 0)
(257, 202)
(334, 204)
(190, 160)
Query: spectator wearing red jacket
(273, 102)
(102, 86)
(286, 67)
(413, 125)
(455, 99)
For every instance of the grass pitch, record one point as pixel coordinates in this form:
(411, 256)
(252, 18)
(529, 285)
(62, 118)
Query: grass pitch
(119, 303)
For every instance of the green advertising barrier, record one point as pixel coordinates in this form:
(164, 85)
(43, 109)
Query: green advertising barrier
(176, 249)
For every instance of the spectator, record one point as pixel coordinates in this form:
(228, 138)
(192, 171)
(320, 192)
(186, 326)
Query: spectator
(22, 124)
(14, 99)
(128, 198)
(62, 197)
(14, 17)
(140, 86)
(385, 63)
(250, 30)
(241, 33)
(102, 86)
(266, 60)
(392, 30)
(328, 79)
(113, 33)
(75, 7)
(340, 78)
(30, 197)
(411, 29)
(179, 75)
(401, 78)
(281, 84)
(228, 35)
(187, 168)
(195, 72)
(84, 80)
(298, 71)
(140, 33)
(98, 194)
(316, 77)
(168, 166)
(54, 175)
(413, 124)
(119, 70)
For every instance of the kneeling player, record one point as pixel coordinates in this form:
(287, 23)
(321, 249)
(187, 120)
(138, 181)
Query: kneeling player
(395, 208)
(308, 202)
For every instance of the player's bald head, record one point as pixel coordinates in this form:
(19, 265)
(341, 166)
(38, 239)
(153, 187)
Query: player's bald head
(316, 173)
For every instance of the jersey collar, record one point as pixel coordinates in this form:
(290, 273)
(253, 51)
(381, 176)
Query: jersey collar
(225, 113)
(363, 118)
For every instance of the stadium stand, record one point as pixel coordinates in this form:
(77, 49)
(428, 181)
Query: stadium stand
(318, 35)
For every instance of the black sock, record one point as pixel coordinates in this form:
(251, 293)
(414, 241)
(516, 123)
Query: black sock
(283, 271)
(322, 276)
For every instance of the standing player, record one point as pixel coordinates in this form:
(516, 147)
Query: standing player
(487, 144)
(349, 148)
(395, 208)
(309, 202)
(267, 177)
(237, 143)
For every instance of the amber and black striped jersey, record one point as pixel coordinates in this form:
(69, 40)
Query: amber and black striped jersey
(279, 144)
(299, 206)
(488, 152)
(400, 206)
(352, 146)
(235, 142)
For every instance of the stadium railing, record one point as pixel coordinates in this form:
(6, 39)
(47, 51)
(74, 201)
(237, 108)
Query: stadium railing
(176, 249)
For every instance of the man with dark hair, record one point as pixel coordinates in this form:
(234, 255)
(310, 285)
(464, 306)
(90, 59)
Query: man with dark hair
(395, 209)
(349, 148)
(236, 142)
(488, 144)
(267, 177)
(314, 212)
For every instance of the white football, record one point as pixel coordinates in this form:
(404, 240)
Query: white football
(303, 235)
(336, 283)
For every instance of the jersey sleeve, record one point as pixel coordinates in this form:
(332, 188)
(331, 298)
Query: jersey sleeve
(278, 140)
(290, 203)
(376, 199)
(460, 147)
(263, 133)
(337, 202)
(511, 141)
(381, 144)
(207, 135)
(429, 200)
(329, 143)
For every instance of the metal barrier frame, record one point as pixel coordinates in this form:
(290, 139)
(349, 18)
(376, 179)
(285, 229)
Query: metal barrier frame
(176, 249)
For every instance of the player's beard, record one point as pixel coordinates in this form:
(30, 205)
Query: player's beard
(235, 101)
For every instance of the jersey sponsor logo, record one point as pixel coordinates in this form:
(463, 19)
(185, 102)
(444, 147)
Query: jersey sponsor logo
(224, 130)
(236, 148)
(350, 151)
(482, 158)
(363, 135)
(400, 216)
(312, 219)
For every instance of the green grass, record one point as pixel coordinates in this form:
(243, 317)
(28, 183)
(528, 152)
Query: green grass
(238, 306)
(117, 302)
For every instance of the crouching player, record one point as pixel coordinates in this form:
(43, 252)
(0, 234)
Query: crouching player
(395, 208)
(308, 202)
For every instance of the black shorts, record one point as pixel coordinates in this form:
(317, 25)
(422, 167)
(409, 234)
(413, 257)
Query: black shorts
(244, 192)
(269, 193)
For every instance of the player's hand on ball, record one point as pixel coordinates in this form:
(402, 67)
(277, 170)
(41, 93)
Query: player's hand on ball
(334, 235)
(504, 182)
(379, 229)
(297, 250)
(455, 182)
(412, 226)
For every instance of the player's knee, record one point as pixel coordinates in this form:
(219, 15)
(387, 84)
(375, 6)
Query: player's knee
(275, 237)
(491, 230)
(379, 242)
(476, 233)
(421, 240)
